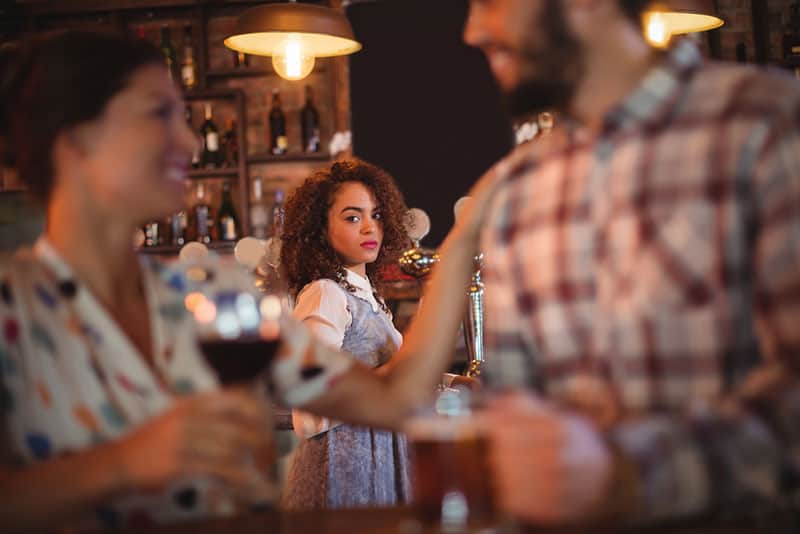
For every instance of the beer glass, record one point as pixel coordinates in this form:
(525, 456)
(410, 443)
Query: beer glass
(449, 453)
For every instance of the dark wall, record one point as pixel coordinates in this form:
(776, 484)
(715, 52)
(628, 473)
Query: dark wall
(424, 105)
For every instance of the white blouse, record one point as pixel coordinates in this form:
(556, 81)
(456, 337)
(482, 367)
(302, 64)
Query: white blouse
(322, 305)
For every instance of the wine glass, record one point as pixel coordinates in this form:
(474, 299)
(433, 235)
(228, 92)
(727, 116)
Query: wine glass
(238, 332)
(237, 324)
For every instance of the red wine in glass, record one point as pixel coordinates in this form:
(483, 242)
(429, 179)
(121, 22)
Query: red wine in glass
(239, 360)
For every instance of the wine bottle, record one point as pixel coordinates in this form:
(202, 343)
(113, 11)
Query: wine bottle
(196, 152)
(279, 143)
(226, 216)
(741, 53)
(277, 215)
(259, 215)
(210, 134)
(230, 144)
(202, 220)
(169, 53)
(188, 70)
(309, 118)
(152, 234)
(178, 224)
(791, 39)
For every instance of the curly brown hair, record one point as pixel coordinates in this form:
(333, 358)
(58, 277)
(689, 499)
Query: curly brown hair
(306, 254)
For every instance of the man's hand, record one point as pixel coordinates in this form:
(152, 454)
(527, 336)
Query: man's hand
(549, 466)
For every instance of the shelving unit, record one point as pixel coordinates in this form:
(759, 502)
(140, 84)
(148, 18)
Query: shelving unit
(220, 172)
(238, 87)
(217, 246)
(236, 97)
(266, 157)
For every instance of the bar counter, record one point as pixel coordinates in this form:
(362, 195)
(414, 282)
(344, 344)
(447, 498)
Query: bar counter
(402, 520)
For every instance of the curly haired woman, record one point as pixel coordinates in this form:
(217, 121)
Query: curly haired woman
(342, 225)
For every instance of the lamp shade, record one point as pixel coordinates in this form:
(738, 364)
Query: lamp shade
(263, 30)
(687, 16)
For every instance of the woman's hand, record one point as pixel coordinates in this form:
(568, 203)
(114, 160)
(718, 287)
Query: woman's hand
(213, 434)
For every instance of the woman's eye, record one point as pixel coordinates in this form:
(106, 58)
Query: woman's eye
(352, 218)
(377, 216)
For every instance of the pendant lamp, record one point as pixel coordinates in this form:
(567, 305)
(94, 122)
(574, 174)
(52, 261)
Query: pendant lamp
(293, 34)
(676, 17)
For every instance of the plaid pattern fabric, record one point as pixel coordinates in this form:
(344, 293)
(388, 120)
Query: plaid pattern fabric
(660, 256)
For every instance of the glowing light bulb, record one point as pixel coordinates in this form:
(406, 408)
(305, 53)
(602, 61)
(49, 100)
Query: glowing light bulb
(656, 31)
(291, 60)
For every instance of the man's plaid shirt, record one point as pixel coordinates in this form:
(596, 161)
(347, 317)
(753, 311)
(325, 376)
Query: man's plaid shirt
(661, 256)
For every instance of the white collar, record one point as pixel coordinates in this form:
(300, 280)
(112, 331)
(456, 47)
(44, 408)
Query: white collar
(363, 287)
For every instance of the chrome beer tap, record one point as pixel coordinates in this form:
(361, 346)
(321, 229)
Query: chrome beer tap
(473, 319)
(473, 322)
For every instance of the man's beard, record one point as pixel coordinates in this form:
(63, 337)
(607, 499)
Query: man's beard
(557, 64)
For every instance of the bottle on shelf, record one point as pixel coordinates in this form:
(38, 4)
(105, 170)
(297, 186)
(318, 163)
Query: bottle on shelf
(309, 118)
(196, 152)
(169, 53)
(279, 143)
(276, 221)
(202, 220)
(230, 144)
(211, 156)
(188, 68)
(791, 39)
(271, 261)
(240, 59)
(259, 215)
(140, 32)
(178, 224)
(152, 234)
(228, 226)
(741, 53)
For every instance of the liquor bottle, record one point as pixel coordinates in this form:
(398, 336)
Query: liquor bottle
(152, 234)
(188, 69)
(791, 39)
(309, 118)
(230, 144)
(196, 152)
(201, 217)
(211, 153)
(741, 53)
(169, 53)
(178, 225)
(140, 32)
(226, 216)
(259, 215)
(279, 143)
(277, 215)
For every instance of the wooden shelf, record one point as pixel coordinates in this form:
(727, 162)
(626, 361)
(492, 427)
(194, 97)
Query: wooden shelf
(247, 72)
(223, 172)
(265, 157)
(242, 72)
(213, 94)
(223, 247)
